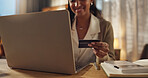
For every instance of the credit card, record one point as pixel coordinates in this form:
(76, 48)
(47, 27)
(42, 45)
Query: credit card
(84, 43)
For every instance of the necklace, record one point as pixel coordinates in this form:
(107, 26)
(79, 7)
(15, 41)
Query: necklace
(81, 28)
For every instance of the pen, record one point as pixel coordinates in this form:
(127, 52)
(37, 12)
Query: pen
(116, 67)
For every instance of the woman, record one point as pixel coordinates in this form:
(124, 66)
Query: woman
(85, 26)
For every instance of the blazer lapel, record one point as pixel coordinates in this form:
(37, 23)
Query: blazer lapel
(92, 33)
(94, 29)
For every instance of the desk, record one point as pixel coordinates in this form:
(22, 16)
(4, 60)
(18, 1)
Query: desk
(88, 72)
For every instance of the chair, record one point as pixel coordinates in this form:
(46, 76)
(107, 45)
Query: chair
(144, 54)
(117, 54)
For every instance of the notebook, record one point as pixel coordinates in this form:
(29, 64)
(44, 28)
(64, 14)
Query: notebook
(125, 68)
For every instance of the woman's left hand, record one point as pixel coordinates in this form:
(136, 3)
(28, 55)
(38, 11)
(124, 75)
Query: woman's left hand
(100, 49)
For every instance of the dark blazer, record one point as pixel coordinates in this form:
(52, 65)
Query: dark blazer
(106, 35)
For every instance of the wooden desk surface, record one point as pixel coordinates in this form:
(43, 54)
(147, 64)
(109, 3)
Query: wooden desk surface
(88, 72)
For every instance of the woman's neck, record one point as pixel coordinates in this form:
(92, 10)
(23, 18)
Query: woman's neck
(83, 21)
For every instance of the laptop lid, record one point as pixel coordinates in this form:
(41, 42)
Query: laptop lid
(38, 41)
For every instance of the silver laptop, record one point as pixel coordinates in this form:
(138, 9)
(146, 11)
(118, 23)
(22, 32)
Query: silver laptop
(39, 41)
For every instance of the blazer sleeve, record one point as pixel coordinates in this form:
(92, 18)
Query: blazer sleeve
(108, 37)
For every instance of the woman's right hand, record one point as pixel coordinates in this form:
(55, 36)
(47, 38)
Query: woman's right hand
(100, 49)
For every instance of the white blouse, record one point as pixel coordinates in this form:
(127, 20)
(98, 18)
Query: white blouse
(84, 56)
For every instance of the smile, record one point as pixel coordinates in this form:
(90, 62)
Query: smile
(79, 10)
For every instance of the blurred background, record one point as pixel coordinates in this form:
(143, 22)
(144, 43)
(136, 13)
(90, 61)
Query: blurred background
(129, 19)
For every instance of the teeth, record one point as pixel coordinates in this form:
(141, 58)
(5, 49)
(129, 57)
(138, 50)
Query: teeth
(76, 4)
(79, 10)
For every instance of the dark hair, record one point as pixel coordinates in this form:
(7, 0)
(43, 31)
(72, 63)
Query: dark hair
(71, 13)
(93, 10)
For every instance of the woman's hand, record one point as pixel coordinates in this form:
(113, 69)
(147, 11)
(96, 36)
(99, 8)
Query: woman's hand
(100, 48)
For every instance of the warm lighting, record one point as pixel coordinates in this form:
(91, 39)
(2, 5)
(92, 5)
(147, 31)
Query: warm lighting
(116, 49)
(106, 0)
(63, 7)
(116, 43)
(58, 2)
(123, 55)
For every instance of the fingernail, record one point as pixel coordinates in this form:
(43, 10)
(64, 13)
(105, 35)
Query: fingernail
(89, 45)
(93, 43)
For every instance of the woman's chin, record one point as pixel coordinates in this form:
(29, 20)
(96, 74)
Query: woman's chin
(80, 14)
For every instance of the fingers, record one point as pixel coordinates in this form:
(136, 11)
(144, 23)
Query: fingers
(99, 53)
(106, 50)
(100, 46)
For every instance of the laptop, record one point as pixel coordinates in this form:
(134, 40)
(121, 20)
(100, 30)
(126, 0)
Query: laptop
(39, 41)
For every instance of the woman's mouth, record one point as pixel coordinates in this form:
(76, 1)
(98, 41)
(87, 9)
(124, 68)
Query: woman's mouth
(79, 10)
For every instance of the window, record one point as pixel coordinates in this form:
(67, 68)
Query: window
(7, 7)
(99, 4)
